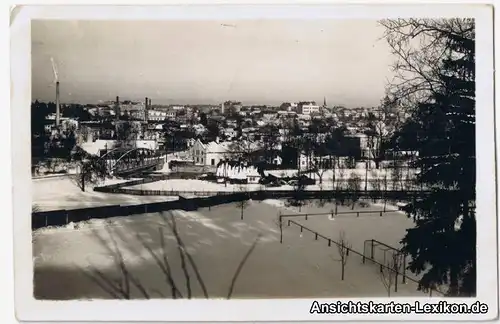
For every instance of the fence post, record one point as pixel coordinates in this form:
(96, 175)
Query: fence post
(357, 214)
(380, 214)
(301, 228)
(329, 242)
(316, 237)
(306, 216)
(371, 255)
(281, 227)
(288, 222)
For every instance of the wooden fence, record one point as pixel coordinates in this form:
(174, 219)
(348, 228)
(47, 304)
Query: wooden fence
(66, 216)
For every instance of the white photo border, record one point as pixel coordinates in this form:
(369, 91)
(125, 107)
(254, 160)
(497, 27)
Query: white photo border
(30, 309)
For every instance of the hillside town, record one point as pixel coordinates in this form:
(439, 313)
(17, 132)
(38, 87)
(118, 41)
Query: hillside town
(163, 173)
(304, 136)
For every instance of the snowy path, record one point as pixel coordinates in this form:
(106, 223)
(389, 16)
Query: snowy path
(63, 193)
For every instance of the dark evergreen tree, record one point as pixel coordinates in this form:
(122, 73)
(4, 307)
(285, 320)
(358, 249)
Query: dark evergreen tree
(203, 119)
(442, 130)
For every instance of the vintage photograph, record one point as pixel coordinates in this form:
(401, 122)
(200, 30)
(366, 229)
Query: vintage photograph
(266, 159)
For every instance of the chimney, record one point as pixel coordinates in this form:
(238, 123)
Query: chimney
(58, 108)
(117, 108)
(146, 103)
(149, 105)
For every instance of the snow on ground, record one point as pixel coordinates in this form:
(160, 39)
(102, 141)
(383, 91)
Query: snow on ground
(216, 239)
(195, 185)
(63, 193)
(202, 185)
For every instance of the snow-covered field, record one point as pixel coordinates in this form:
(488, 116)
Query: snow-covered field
(217, 240)
(63, 193)
(195, 185)
(202, 185)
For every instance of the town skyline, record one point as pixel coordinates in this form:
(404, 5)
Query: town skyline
(203, 68)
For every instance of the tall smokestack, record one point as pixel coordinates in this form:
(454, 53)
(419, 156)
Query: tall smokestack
(58, 106)
(146, 103)
(117, 108)
(149, 106)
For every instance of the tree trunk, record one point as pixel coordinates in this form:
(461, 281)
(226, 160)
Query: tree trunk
(343, 268)
(83, 182)
(366, 176)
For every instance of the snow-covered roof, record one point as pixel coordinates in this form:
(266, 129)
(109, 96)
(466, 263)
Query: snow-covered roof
(214, 147)
(252, 172)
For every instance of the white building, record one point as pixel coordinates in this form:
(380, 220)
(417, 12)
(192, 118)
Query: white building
(230, 132)
(209, 154)
(237, 171)
(157, 115)
(309, 109)
(305, 161)
(99, 145)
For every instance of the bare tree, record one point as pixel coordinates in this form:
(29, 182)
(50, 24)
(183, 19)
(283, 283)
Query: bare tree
(389, 273)
(90, 170)
(320, 167)
(418, 44)
(376, 184)
(396, 175)
(243, 150)
(297, 198)
(343, 247)
(340, 185)
(341, 179)
(333, 167)
(385, 183)
(354, 186)
(379, 128)
(269, 142)
(242, 204)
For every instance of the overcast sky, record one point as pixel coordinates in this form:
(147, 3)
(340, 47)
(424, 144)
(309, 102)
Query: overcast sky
(265, 62)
